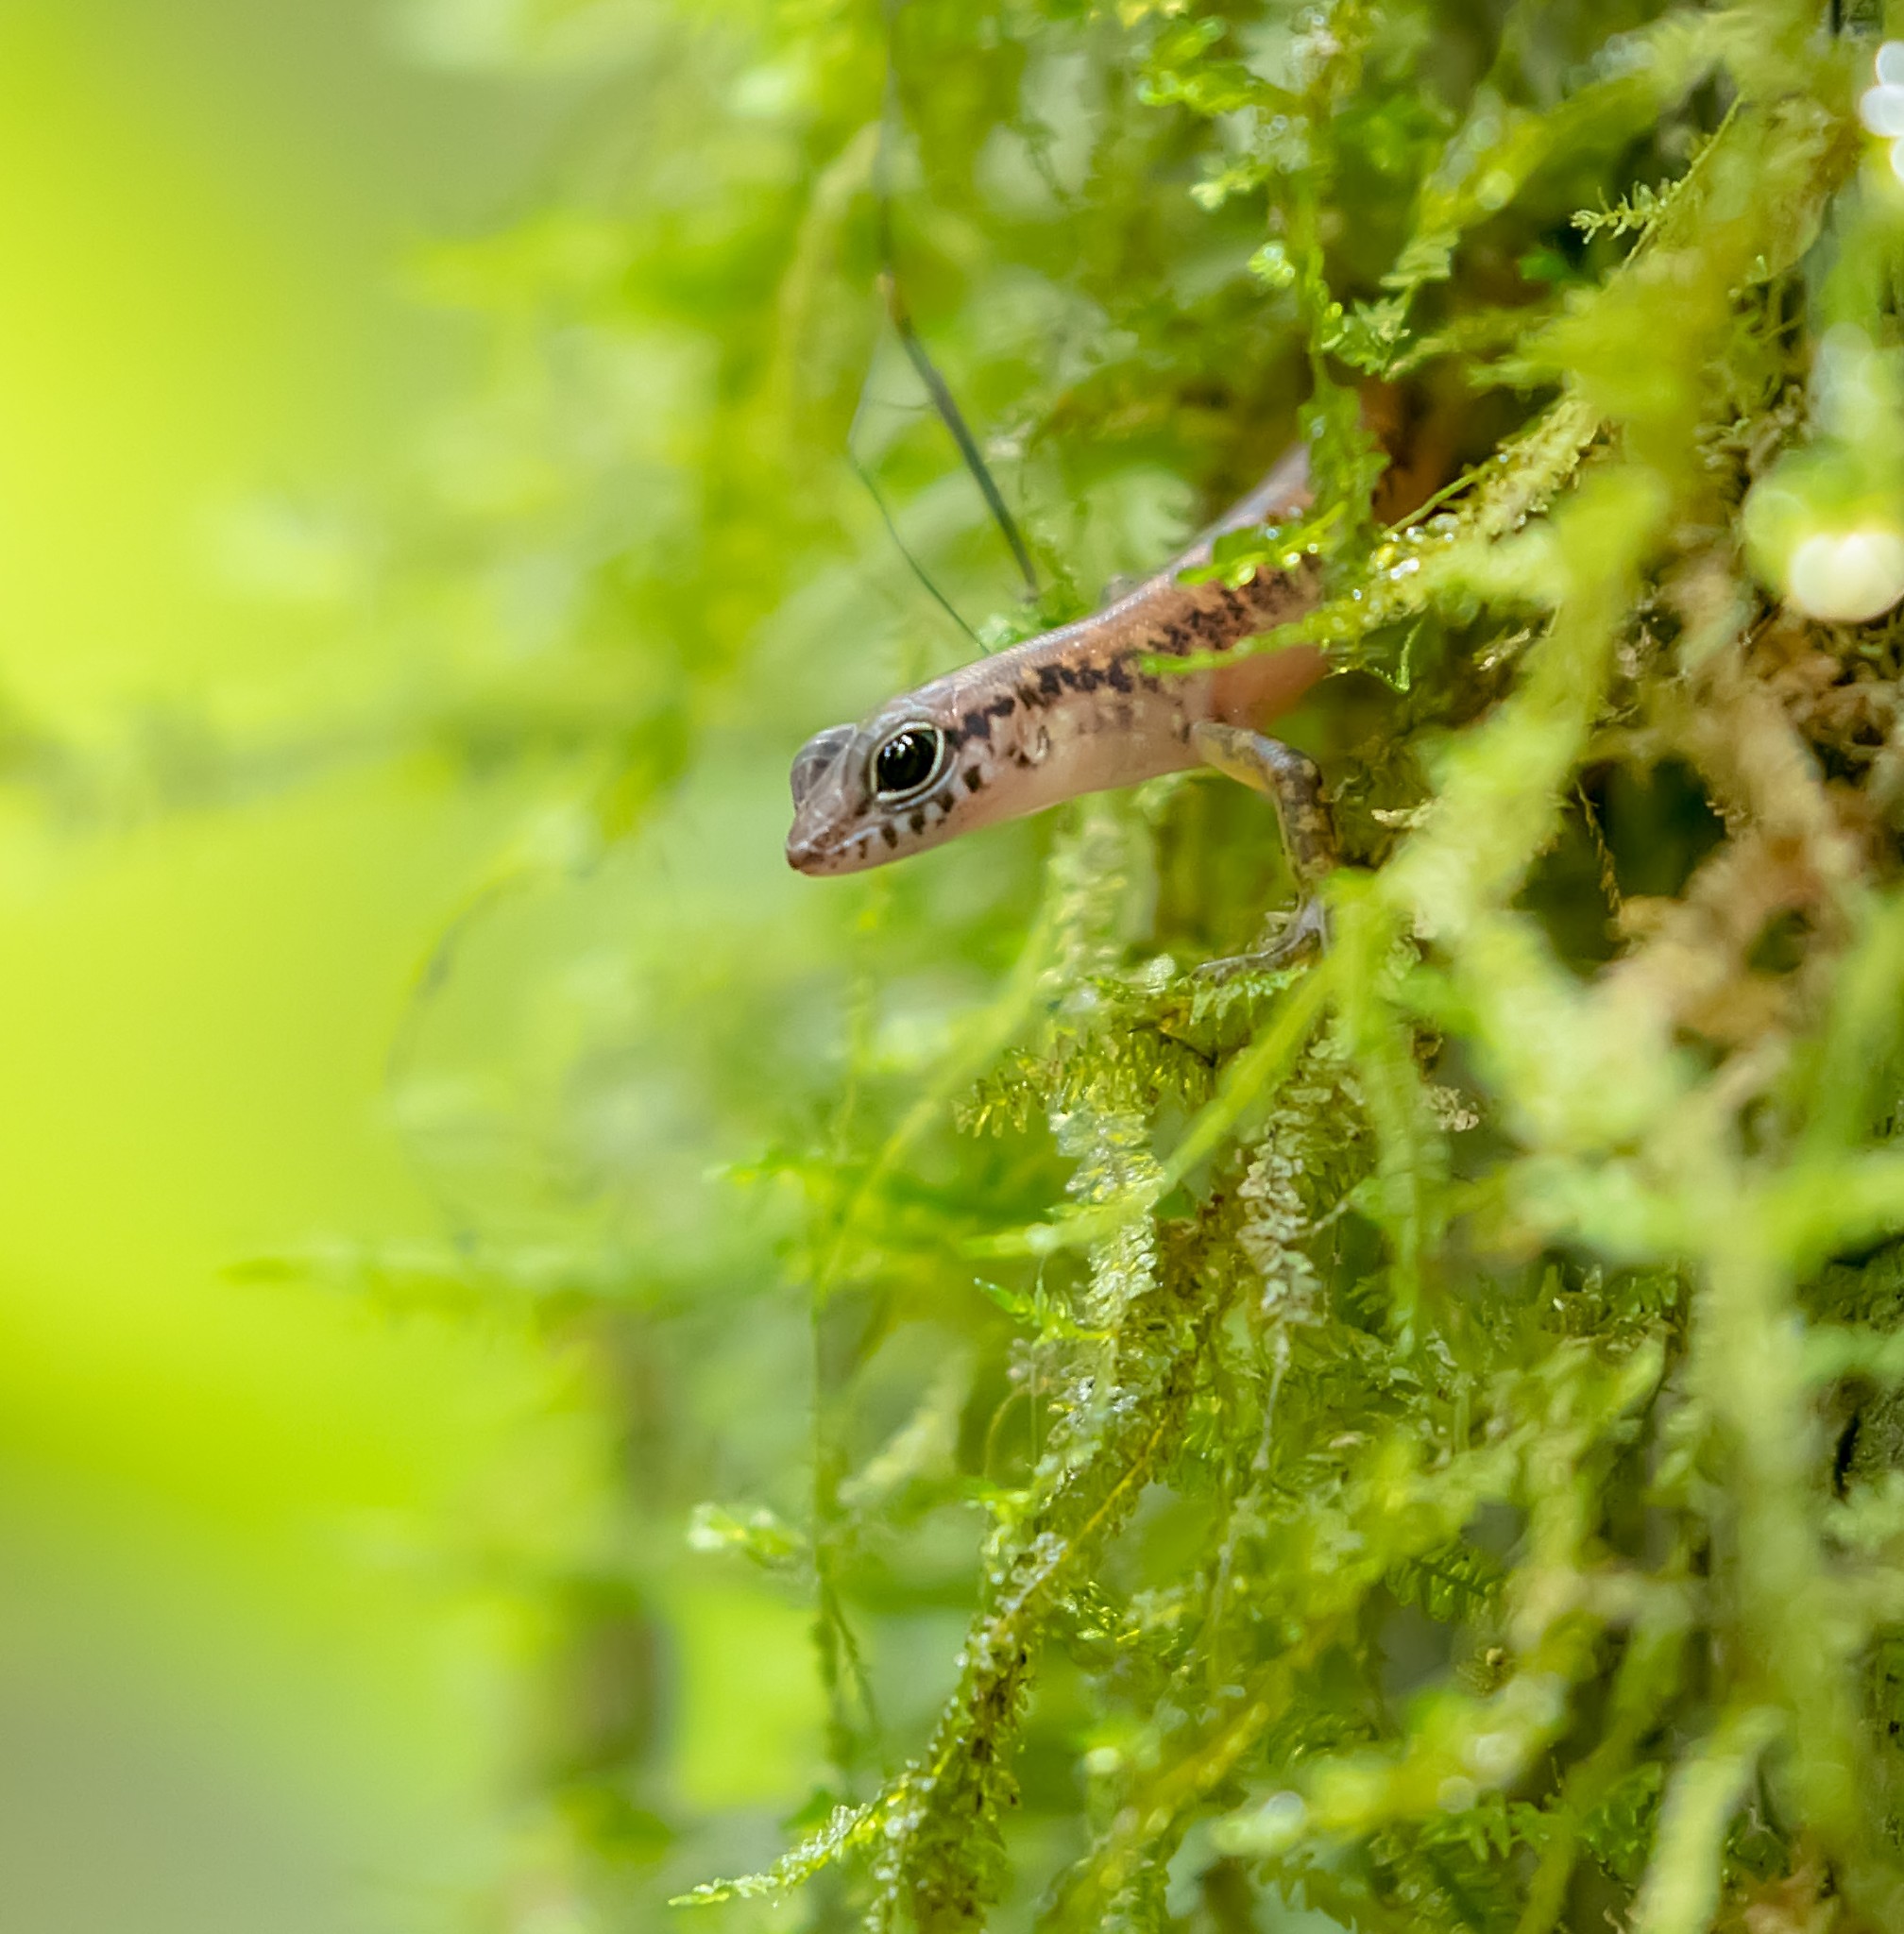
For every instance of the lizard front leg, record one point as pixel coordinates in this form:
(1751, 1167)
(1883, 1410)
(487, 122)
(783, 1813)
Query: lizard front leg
(1292, 782)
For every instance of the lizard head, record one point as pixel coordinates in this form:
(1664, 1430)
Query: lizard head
(903, 781)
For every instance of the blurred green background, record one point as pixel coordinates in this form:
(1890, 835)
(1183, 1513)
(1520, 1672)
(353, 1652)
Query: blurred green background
(375, 1300)
(266, 1624)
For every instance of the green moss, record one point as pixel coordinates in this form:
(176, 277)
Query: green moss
(1420, 1442)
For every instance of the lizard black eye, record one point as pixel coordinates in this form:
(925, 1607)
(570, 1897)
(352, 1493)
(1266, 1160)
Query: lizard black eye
(908, 761)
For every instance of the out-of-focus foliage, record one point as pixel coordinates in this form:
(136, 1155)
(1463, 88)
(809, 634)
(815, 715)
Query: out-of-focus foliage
(271, 1566)
(1409, 1443)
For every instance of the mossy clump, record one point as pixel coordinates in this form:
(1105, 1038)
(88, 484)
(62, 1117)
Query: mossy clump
(1427, 1419)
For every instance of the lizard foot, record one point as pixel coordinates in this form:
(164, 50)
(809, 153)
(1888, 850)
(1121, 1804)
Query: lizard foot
(1306, 931)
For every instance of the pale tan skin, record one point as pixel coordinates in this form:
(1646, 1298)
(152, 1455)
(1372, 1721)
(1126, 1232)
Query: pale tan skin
(1075, 710)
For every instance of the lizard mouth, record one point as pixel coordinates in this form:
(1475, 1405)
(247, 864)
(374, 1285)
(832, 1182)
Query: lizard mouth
(809, 853)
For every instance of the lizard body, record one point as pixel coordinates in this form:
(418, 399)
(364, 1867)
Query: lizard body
(1074, 711)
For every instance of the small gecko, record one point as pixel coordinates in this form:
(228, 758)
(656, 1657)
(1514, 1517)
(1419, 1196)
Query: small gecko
(1075, 710)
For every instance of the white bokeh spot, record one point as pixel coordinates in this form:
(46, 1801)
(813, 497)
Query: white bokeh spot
(1882, 107)
(1848, 577)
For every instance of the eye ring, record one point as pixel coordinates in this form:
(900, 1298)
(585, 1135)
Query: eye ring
(907, 762)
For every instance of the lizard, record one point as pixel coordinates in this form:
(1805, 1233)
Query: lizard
(1077, 709)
